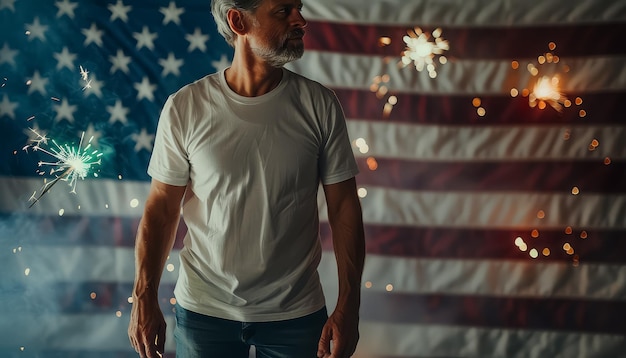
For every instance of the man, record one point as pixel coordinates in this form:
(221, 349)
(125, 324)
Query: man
(245, 150)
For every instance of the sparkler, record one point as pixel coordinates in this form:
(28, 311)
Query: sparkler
(544, 86)
(421, 51)
(84, 75)
(72, 163)
(546, 90)
(87, 85)
(543, 89)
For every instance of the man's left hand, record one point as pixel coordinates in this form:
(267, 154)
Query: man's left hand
(342, 328)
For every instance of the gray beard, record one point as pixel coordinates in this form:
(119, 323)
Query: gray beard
(279, 57)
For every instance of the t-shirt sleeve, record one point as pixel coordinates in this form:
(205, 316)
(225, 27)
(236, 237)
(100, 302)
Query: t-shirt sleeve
(169, 163)
(337, 161)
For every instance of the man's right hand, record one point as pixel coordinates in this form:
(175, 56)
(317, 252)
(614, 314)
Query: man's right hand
(147, 328)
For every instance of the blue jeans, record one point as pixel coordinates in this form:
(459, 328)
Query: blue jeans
(200, 336)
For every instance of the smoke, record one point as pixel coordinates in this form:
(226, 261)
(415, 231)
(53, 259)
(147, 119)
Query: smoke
(42, 290)
(22, 292)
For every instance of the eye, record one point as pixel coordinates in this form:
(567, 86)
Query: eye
(286, 9)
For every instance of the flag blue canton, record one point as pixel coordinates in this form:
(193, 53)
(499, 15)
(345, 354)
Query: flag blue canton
(133, 55)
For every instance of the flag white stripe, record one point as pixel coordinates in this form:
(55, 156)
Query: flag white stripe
(92, 197)
(487, 143)
(387, 206)
(106, 332)
(91, 332)
(49, 264)
(491, 77)
(412, 340)
(493, 210)
(507, 278)
(456, 13)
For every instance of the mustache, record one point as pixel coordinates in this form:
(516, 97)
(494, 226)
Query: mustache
(295, 34)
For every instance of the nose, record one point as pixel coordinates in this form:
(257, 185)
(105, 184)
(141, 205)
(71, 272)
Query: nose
(297, 19)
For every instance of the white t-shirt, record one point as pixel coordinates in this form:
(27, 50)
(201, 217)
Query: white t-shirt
(252, 167)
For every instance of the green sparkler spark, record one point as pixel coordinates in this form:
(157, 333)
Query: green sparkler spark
(72, 162)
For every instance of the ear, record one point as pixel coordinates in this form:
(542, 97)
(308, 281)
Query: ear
(236, 21)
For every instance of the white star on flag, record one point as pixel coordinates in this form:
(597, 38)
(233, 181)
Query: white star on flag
(171, 65)
(92, 135)
(118, 113)
(64, 59)
(143, 140)
(119, 11)
(7, 108)
(93, 86)
(93, 35)
(119, 62)
(37, 83)
(36, 30)
(172, 13)
(221, 64)
(7, 55)
(145, 38)
(65, 111)
(145, 89)
(35, 133)
(7, 4)
(197, 40)
(66, 8)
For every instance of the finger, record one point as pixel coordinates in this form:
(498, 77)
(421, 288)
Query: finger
(160, 339)
(147, 347)
(150, 350)
(339, 347)
(134, 343)
(138, 347)
(323, 347)
(131, 338)
(141, 350)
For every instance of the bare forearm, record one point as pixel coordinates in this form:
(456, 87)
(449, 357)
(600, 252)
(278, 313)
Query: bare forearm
(155, 236)
(349, 247)
(155, 239)
(346, 222)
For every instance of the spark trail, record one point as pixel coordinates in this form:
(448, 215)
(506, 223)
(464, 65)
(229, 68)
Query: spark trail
(72, 162)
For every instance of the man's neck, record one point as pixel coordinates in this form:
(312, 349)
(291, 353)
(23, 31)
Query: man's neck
(250, 78)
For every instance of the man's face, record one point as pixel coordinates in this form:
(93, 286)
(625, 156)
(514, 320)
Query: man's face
(277, 31)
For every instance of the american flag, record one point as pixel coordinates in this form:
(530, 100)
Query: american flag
(495, 227)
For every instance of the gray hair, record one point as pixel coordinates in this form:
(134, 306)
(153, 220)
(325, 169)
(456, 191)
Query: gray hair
(220, 8)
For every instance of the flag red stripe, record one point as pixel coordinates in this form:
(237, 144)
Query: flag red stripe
(596, 246)
(472, 42)
(598, 316)
(601, 108)
(590, 176)
(599, 246)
